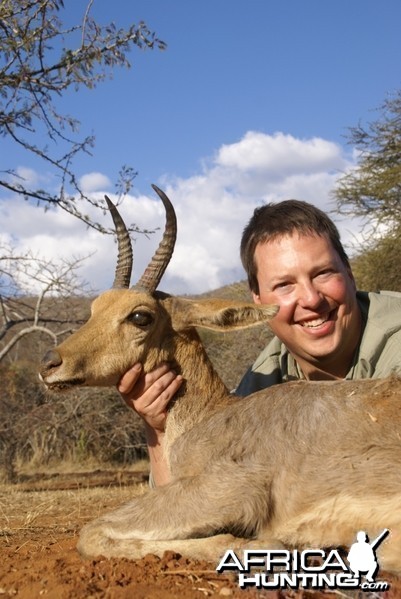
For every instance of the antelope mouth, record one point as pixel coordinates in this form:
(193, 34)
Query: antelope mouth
(64, 385)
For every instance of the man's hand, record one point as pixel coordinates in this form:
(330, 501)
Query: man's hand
(149, 394)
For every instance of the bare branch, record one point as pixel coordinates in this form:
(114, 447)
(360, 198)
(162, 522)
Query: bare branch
(22, 277)
(39, 61)
(6, 349)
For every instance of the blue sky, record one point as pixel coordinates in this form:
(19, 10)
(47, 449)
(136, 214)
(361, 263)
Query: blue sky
(250, 102)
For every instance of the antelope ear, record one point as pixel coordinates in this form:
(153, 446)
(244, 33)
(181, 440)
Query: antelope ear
(218, 314)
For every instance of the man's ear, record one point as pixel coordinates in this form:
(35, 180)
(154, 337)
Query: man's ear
(218, 314)
(256, 298)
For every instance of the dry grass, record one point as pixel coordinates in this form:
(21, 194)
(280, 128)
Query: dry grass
(70, 466)
(64, 509)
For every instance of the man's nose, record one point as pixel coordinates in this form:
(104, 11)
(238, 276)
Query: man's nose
(309, 296)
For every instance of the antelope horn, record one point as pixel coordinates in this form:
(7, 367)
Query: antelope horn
(155, 270)
(122, 276)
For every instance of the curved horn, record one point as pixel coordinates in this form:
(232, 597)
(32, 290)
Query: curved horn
(122, 276)
(155, 270)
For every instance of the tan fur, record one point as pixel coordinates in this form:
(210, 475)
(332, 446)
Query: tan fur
(301, 464)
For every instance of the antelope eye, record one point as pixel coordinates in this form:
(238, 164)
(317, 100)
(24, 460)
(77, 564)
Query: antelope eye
(141, 318)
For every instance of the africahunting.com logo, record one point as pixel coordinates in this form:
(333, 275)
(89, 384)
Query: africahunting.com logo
(309, 569)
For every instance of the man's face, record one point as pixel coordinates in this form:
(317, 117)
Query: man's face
(319, 318)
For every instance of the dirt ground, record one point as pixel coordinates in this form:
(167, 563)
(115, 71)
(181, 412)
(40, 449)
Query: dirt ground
(39, 525)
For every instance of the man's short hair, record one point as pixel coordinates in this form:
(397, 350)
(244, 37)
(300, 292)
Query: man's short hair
(284, 218)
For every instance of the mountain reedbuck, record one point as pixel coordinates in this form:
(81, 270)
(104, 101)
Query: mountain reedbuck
(304, 464)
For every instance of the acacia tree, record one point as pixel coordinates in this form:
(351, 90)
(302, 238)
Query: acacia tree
(373, 189)
(40, 59)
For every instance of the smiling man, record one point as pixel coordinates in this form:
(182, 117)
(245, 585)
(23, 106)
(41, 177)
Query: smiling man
(325, 329)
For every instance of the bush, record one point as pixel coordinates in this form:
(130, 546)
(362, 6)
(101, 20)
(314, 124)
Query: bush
(43, 429)
(378, 267)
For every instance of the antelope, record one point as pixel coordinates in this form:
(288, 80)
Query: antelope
(303, 464)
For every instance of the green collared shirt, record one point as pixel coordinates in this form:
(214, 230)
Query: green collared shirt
(377, 356)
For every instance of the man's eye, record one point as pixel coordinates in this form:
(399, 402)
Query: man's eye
(140, 318)
(326, 272)
(283, 285)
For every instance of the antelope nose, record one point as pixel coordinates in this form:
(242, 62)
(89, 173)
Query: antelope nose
(50, 360)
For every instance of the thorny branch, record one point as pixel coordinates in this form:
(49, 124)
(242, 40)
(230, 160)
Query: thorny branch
(39, 62)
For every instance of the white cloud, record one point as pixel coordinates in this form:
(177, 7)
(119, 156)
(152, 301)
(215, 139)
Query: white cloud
(28, 177)
(94, 182)
(212, 209)
(280, 154)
